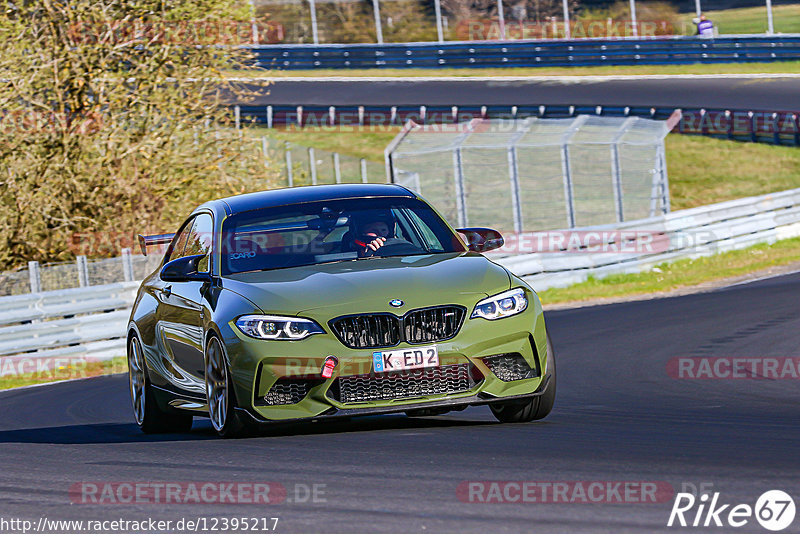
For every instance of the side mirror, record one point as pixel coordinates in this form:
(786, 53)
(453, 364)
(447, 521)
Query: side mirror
(482, 239)
(184, 270)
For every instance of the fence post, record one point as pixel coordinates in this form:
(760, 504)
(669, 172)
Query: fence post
(35, 276)
(501, 19)
(337, 171)
(288, 154)
(458, 175)
(364, 171)
(269, 116)
(83, 271)
(437, 9)
(634, 29)
(378, 27)
(513, 173)
(567, 30)
(237, 114)
(312, 160)
(770, 28)
(127, 264)
(264, 151)
(313, 9)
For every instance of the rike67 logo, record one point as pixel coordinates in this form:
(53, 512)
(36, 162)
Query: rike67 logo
(774, 510)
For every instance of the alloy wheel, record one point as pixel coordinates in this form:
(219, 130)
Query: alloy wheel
(136, 379)
(216, 384)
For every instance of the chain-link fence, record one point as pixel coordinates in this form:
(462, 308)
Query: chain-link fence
(303, 165)
(536, 174)
(403, 21)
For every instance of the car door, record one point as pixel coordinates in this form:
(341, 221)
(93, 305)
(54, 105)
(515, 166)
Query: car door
(181, 308)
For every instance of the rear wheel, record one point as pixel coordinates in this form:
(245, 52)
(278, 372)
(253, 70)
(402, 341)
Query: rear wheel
(535, 408)
(219, 394)
(150, 418)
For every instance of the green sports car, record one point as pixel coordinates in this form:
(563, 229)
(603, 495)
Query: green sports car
(331, 301)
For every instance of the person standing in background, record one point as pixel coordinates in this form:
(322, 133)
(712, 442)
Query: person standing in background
(705, 28)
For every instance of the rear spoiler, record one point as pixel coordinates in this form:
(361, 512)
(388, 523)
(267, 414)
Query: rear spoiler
(148, 240)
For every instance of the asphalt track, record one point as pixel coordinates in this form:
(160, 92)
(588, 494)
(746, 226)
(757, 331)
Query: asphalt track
(619, 417)
(727, 92)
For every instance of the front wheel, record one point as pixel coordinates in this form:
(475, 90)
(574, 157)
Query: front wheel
(219, 393)
(150, 418)
(535, 408)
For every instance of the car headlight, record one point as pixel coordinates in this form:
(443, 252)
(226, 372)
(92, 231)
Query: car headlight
(503, 304)
(276, 327)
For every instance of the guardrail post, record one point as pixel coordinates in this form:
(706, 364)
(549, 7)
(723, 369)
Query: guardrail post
(288, 155)
(331, 115)
(237, 117)
(127, 265)
(269, 116)
(300, 116)
(35, 276)
(337, 171)
(312, 161)
(364, 171)
(83, 271)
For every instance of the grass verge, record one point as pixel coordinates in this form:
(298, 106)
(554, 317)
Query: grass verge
(779, 67)
(55, 370)
(680, 274)
(753, 19)
(703, 170)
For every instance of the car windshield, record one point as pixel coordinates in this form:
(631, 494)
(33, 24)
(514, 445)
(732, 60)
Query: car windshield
(329, 231)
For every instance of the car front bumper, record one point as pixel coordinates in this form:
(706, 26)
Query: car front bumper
(257, 365)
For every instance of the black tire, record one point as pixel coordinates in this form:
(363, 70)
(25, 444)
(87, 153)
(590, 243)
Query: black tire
(233, 424)
(150, 418)
(534, 408)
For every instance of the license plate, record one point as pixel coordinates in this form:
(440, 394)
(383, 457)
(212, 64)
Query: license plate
(405, 359)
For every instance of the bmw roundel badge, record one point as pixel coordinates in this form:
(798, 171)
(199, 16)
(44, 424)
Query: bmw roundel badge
(396, 303)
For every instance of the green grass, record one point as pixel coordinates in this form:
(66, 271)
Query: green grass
(680, 274)
(781, 67)
(786, 19)
(703, 170)
(65, 372)
(359, 143)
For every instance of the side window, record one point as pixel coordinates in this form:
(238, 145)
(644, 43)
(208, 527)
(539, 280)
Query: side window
(179, 243)
(200, 239)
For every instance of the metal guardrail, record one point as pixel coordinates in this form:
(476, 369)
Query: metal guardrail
(678, 235)
(91, 321)
(760, 126)
(552, 53)
(81, 322)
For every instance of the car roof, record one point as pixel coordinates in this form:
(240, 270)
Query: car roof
(302, 194)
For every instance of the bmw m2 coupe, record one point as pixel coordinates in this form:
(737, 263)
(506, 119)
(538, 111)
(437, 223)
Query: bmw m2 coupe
(329, 301)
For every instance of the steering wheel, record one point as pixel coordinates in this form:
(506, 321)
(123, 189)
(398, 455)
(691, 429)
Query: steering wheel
(394, 246)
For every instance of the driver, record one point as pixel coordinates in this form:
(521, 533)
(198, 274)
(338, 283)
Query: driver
(371, 229)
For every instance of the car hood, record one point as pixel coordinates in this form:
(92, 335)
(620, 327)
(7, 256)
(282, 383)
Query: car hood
(368, 285)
